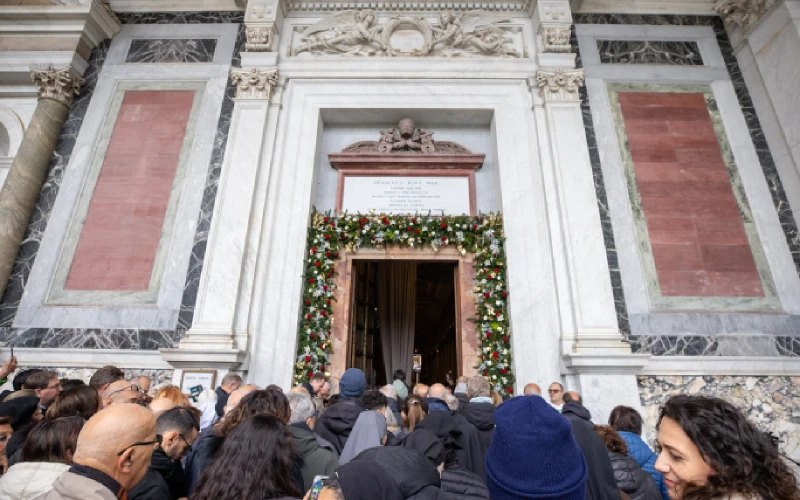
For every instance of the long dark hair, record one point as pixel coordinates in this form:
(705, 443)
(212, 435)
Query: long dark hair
(53, 440)
(743, 458)
(256, 462)
(81, 401)
(269, 402)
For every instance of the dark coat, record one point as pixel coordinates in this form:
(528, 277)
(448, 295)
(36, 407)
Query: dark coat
(313, 458)
(337, 422)
(222, 400)
(646, 459)
(463, 400)
(481, 415)
(632, 479)
(203, 452)
(414, 474)
(165, 480)
(600, 484)
(464, 484)
(395, 407)
(436, 404)
(472, 454)
(573, 411)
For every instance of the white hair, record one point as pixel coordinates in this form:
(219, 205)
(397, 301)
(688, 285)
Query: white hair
(389, 391)
(452, 402)
(301, 405)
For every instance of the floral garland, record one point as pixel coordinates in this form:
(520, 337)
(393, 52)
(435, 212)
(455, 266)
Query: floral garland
(483, 236)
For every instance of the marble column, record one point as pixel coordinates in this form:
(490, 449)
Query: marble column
(225, 263)
(57, 89)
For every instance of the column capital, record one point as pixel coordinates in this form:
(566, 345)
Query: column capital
(259, 37)
(254, 83)
(58, 84)
(744, 13)
(560, 84)
(262, 19)
(556, 38)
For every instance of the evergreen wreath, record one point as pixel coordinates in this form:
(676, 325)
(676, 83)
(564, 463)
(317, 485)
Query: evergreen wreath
(482, 236)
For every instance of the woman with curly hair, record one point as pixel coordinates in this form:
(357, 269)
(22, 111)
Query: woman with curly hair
(709, 451)
(256, 462)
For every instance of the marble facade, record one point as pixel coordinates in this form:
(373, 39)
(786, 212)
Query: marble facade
(531, 92)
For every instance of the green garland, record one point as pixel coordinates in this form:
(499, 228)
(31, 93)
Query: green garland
(483, 236)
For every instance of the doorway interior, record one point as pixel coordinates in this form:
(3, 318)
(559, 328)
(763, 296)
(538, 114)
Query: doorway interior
(431, 287)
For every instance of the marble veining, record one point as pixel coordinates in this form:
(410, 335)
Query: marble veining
(693, 345)
(159, 378)
(171, 50)
(649, 52)
(112, 338)
(769, 402)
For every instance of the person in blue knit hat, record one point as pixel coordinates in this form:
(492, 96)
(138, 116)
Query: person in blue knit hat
(533, 454)
(337, 422)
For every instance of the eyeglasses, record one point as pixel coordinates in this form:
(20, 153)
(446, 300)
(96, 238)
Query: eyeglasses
(154, 444)
(553, 391)
(134, 388)
(188, 446)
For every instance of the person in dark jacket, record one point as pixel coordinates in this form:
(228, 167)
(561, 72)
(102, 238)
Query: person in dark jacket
(456, 481)
(480, 410)
(628, 423)
(631, 479)
(363, 480)
(25, 413)
(314, 458)
(165, 479)
(230, 383)
(534, 454)
(601, 483)
(436, 398)
(416, 477)
(463, 439)
(337, 422)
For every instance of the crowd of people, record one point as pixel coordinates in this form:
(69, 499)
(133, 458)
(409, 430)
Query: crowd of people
(114, 439)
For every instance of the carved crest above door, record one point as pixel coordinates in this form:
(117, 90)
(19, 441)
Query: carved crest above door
(457, 34)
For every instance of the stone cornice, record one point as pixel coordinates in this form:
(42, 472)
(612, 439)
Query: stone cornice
(322, 6)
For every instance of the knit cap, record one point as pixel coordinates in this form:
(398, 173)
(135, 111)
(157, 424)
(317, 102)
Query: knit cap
(533, 454)
(352, 384)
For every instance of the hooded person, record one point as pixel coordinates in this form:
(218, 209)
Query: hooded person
(413, 473)
(458, 482)
(466, 444)
(24, 413)
(534, 454)
(336, 424)
(369, 432)
(366, 480)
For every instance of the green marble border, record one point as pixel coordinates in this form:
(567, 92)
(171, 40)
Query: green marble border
(770, 301)
(57, 294)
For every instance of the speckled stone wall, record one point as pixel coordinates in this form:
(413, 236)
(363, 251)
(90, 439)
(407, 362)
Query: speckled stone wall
(772, 403)
(160, 378)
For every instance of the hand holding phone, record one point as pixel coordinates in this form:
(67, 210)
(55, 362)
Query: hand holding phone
(317, 487)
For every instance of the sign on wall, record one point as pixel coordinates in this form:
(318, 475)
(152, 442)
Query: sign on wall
(406, 195)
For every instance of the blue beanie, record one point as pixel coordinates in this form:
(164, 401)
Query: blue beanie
(533, 454)
(352, 384)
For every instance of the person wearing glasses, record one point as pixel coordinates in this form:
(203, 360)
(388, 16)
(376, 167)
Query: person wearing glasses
(46, 385)
(165, 479)
(121, 392)
(556, 392)
(112, 455)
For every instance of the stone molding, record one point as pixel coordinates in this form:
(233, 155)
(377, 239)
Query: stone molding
(556, 39)
(559, 85)
(260, 37)
(409, 5)
(744, 13)
(254, 83)
(58, 84)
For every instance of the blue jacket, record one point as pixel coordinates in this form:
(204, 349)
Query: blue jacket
(646, 459)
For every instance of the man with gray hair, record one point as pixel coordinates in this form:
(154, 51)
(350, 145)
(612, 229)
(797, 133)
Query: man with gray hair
(394, 404)
(480, 411)
(316, 456)
(230, 382)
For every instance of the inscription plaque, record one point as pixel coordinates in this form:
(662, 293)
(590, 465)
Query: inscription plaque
(406, 195)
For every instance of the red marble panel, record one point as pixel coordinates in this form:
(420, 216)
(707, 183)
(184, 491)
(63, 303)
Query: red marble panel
(122, 230)
(699, 243)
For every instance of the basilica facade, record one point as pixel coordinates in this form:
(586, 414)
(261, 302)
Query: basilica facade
(192, 187)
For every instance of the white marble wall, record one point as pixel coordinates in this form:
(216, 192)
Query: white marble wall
(15, 114)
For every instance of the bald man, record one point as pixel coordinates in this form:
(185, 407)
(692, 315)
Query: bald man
(112, 456)
(437, 398)
(121, 392)
(532, 390)
(238, 394)
(159, 406)
(421, 390)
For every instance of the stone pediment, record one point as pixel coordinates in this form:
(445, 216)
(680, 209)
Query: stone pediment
(406, 139)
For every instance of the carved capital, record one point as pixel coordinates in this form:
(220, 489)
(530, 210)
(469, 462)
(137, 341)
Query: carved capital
(254, 83)
(744, 13)
(559, 85)
(556, 39)
(58, 84)
(554, 11)
(259, 37)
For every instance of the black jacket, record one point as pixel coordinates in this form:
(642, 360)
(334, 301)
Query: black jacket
(436, 404)
(638, 484)
(574, 411)
(395, 408)
(414, 474)
(165, 480)
(600, 484)
(222, 400)
(312, 458)
(460, 436)
(203, 452)
(464, 484)
(481, 415)
(337, 422)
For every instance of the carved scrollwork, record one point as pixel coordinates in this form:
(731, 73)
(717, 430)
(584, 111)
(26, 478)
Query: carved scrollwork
(259, 37)
(254, 83)
(745, 13)
(408, 139)
(559, 85)
(58, 84)
(556, 39)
